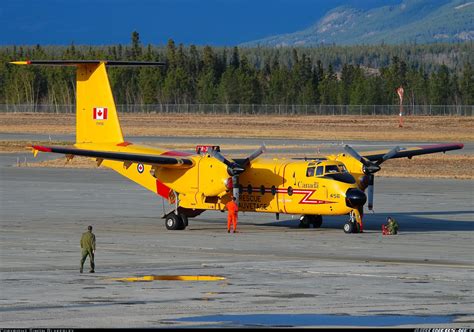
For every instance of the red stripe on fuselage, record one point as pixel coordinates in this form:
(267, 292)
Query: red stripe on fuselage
(305, 200)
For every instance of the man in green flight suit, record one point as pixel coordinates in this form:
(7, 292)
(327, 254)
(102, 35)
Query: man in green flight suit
(88, 248)
(392, 226)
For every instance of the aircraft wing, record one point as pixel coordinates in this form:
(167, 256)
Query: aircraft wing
(413, 151)
(156, 160)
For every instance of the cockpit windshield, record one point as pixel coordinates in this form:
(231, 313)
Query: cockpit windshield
(324, 170)
(331, 169)
(335, 171)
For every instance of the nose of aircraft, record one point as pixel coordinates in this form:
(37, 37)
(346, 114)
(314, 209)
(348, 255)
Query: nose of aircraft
(355, 198)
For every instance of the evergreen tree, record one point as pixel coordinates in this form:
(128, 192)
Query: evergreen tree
(136, 51)
(327, 74)
(439, 87)
(467, 85)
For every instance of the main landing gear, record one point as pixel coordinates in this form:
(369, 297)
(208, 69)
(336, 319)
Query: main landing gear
(175, 221)
(307, 220)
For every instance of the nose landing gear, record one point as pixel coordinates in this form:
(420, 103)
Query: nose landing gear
(354, 224)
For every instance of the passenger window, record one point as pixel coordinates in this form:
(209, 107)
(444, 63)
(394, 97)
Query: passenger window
(249, 189)
(319, 171)
(310, 172)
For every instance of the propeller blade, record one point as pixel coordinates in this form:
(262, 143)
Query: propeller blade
(232, 167)
(219, 156)
(389, 154)
(357, 156)
(255, 154)
(370, 192)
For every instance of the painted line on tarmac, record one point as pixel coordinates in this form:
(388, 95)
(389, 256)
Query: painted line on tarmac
(169, 277)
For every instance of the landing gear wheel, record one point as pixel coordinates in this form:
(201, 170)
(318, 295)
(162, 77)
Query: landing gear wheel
(304, 222)
(317, 221)
(349, 227)
(173, 222)
(184, 221)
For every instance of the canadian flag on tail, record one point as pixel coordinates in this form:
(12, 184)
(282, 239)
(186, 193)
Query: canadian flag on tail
(100, 113)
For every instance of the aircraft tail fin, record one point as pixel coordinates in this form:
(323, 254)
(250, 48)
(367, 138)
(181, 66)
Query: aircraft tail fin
(96, 115)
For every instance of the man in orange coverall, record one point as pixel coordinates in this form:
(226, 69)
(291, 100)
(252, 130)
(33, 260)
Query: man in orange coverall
(232, 209)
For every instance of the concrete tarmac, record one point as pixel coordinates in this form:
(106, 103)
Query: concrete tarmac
(276, 273)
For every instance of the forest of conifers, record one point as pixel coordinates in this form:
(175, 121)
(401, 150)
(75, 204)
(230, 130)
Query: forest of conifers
(435, 74)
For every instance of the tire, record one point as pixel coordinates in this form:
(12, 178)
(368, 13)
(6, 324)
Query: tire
(317, 221)
(348, 227)
(173, 222)
(184, 221)
(304, 222)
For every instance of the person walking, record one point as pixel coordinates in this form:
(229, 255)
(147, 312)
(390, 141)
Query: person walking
(232, 210)
(88, 248)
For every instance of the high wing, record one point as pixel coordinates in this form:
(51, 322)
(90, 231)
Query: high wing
(412, 151)
(155, 160)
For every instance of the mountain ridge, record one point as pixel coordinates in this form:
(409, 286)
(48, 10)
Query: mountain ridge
(411, 21)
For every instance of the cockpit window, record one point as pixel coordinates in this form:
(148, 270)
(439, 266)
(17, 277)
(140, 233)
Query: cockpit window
(310, 171)
(319, 171)
(332, 169)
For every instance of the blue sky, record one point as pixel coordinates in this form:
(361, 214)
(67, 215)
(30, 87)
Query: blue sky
(200, 22)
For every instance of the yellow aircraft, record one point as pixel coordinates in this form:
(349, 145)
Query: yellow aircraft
(193, 183)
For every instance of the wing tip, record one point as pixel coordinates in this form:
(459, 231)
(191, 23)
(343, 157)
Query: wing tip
(21, 62)
(41, 148)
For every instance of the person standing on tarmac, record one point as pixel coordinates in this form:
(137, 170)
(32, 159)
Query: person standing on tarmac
(232, 210)
(88, 248)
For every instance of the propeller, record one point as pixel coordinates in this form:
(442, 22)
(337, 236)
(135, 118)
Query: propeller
(255, 154)
(370, 168)
(234, 169)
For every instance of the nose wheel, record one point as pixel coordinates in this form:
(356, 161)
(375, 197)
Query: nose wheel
(352, 226)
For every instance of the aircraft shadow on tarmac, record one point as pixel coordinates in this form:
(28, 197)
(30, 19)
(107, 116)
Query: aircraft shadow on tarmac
(408, 222)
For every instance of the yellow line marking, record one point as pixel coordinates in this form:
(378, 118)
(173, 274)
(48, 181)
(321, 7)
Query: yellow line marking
(171, 277)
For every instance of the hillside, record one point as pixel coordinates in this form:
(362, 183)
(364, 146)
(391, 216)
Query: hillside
(412, 21)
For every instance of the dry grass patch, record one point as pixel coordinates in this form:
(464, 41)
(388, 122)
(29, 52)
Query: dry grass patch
(417, 128)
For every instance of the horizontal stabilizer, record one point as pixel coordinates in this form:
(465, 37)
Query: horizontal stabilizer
(79, 62)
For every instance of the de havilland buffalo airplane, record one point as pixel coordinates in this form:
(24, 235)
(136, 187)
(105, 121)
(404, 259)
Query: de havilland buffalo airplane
(207, 180)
